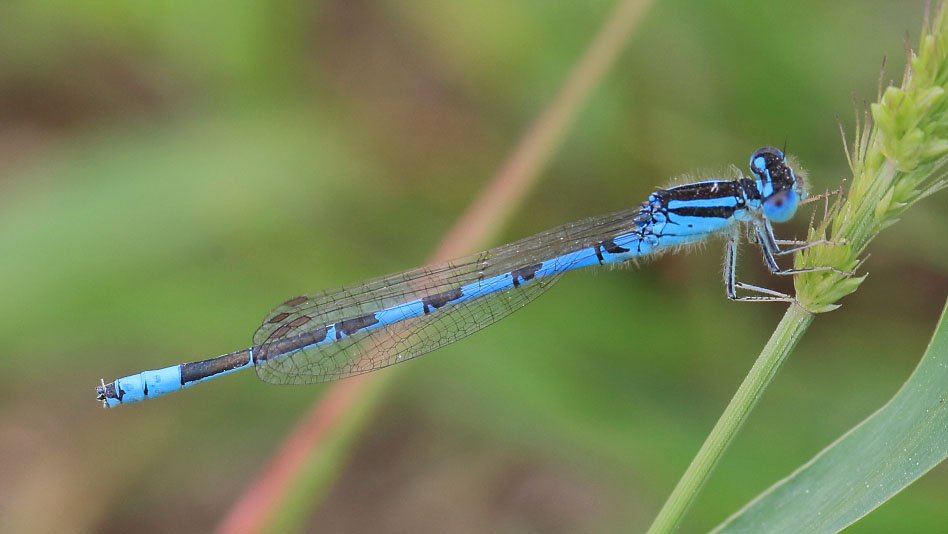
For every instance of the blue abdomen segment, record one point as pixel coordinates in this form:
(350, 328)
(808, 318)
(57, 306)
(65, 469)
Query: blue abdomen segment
(154, 383)
(642, 241)
(619, 249)
(367, 326)
(158, 382)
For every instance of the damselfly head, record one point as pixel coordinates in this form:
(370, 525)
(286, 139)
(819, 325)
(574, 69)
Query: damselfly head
(781, 190)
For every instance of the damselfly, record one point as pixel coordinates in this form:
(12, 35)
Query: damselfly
(362, 327)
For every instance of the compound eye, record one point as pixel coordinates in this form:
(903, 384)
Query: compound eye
(781, 206)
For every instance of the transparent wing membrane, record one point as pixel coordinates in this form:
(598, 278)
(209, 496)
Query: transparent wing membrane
(300, 322)
(368, 350)
(358, 328)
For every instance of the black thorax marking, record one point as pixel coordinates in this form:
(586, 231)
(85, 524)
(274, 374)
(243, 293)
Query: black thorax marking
(702, 191)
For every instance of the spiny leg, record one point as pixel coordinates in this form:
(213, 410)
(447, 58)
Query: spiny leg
(769, 247)
(826, 194)
(800, 245)
(731, 286)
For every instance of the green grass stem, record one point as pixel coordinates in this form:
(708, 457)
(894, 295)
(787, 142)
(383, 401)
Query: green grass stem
(896, 158)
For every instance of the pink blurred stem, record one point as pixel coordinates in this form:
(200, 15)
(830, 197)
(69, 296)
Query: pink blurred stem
(507, 188)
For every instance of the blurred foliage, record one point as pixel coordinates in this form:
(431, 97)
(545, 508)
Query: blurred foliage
(170, 171)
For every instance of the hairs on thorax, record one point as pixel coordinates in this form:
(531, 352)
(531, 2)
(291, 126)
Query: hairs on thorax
(730, 172)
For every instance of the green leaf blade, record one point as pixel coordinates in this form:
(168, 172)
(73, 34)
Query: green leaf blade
(869, 464)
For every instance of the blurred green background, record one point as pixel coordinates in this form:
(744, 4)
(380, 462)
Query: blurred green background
(170, 171)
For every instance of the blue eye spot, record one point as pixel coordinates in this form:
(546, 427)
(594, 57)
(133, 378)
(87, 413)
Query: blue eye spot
(781, 206)
(759, 164)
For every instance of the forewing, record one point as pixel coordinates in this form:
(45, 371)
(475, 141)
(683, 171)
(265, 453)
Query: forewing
(369, 349)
